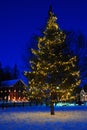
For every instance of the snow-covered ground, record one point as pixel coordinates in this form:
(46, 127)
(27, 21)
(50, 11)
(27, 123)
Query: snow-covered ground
(39, 118)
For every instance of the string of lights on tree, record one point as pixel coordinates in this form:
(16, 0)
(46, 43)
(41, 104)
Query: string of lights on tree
(54, 71)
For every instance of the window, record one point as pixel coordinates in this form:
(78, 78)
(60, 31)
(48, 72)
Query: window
(5, 91)
(9, 98)
(5, 97)
(14, 90)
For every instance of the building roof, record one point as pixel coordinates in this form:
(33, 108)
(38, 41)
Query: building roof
(11, 83)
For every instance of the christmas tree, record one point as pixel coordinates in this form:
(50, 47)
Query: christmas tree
(54, 72)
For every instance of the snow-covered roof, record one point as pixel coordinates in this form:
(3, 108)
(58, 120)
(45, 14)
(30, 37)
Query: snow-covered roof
(11, 83)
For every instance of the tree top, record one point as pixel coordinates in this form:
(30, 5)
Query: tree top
(50, 12)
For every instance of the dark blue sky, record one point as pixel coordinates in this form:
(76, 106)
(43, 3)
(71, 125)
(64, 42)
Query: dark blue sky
(20, 19)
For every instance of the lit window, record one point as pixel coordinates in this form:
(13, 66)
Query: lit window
(5, 97)
(8, 97)
(14, 90)
(14, 99)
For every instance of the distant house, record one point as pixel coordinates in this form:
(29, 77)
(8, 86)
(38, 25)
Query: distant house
(83, 96)
(12, 90)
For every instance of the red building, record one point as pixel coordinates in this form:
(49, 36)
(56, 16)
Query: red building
(12, 90)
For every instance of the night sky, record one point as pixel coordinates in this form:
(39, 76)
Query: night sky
(21, 19)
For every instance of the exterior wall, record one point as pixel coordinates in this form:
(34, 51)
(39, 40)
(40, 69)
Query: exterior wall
(4, 94)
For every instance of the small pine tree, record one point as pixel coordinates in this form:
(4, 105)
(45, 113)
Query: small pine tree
(1, 72)
(15, 72)
(54, 69)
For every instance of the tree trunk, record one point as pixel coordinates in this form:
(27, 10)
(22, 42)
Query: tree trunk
(52, 108)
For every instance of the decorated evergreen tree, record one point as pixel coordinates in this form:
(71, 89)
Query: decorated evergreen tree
(54, 73)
